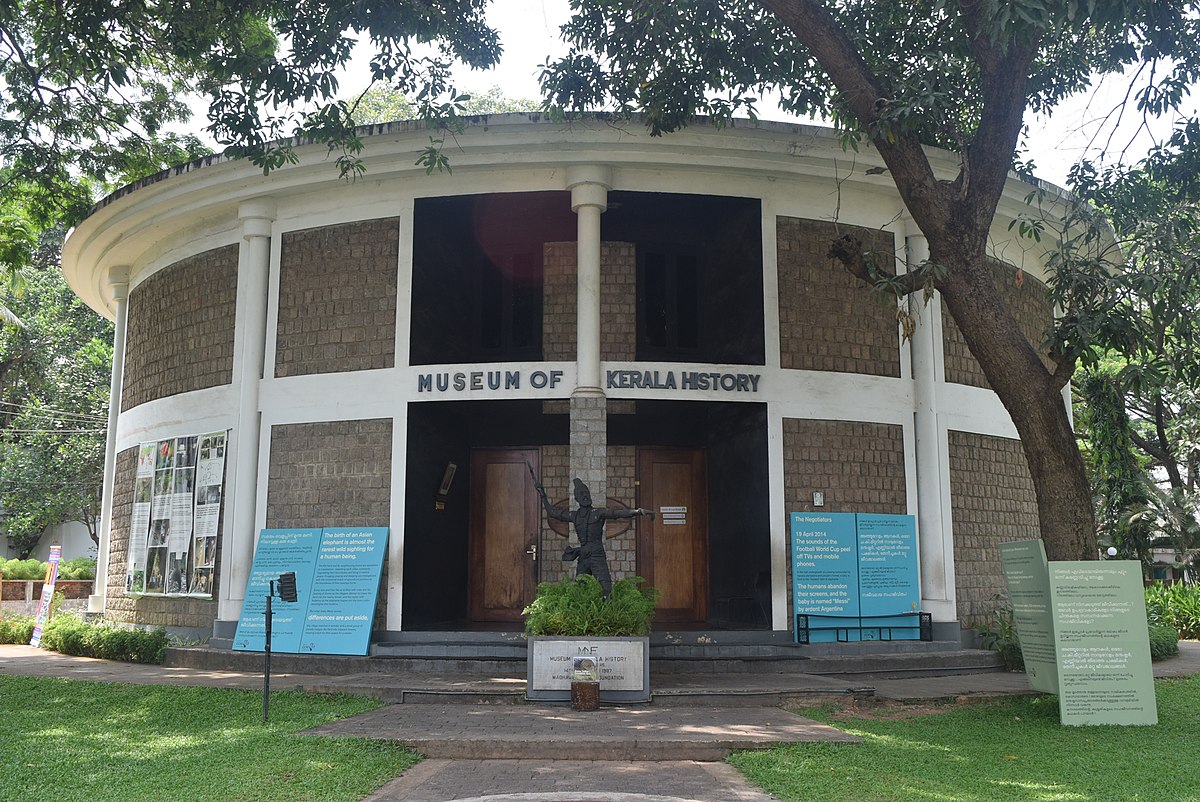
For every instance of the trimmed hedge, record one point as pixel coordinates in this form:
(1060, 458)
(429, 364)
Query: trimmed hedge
(70, 634)
(16, 628)
(1164, 642)
(76, 569)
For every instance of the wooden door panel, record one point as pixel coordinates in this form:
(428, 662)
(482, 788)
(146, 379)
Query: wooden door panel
(505, 519)
(673, 546)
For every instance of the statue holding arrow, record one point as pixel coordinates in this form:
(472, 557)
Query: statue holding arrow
(589, 527)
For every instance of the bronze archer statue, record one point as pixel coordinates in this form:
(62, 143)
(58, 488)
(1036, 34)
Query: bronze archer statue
(589, 527)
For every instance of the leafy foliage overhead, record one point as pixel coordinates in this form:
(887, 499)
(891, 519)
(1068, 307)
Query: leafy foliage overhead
(91, 90)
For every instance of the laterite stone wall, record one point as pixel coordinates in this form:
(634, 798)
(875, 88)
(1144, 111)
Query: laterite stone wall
(180, 328)
(828, 319)
(337, 298)
(991, 502)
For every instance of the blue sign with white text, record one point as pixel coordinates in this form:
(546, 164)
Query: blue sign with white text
(337, 586)
(855, 576)
(888, 575)
(825, 571)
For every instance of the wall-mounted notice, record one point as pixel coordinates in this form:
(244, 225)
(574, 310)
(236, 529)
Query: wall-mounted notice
(825, 572)
(337, 584)
(1027, 576)
(1103, 648)
(176, 510)
(888, 570)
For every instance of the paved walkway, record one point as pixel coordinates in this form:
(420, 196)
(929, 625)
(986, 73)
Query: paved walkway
(529, 753)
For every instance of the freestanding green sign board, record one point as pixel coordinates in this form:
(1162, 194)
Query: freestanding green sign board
(1082, 628)
(1028, 578)
(1104, 672)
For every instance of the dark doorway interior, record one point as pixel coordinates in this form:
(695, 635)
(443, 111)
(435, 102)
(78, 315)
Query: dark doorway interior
(436, 542)
(734, 438)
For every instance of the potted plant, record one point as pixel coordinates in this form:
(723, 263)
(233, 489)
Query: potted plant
(571, 621)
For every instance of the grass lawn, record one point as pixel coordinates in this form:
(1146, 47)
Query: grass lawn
(1012, 749)
(66, 740)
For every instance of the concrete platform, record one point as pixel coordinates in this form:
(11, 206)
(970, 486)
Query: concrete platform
(542, 732)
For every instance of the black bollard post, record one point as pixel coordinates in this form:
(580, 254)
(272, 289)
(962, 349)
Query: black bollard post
(267, 657)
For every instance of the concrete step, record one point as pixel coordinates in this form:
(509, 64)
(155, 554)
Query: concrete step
(538, 732)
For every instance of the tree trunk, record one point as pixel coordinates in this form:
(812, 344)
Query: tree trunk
(1033, 400)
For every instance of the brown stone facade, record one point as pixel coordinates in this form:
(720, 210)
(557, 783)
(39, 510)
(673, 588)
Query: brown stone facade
(618, 301)
(180, 328)
(828, 319)
(991, 502)
(153, 611)
(337, 298)
(858, 466)
(1029, 303)
(336, 473)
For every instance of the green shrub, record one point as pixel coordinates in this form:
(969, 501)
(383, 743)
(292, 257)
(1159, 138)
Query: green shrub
(1164, 641)
(23, 569)
(578, 607)
(80, 568)
(1000, 635)
(70, 634)
(1177, 606)
(16, 628)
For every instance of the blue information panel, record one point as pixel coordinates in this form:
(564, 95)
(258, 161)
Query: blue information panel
(337, 584)
(825, 572)
(278, 551)
(888, 576)
(344, 591)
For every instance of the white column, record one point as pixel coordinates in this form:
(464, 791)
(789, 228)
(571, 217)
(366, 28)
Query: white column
(254, 268)
(934, 532)
(118, 282)
(589, 185)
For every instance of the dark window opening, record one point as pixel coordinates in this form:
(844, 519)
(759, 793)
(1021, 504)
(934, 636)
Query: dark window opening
(668, 302)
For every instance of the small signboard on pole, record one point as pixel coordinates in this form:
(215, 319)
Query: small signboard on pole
(43, 614)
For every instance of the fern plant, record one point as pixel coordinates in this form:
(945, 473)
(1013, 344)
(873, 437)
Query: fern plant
(577, 607)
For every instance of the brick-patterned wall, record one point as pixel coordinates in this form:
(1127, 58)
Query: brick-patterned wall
(337, 473)
(991, 502)
(859, 466)
(152, 611)
(828, 319)
(618, 301)
(337, 298)
(622, 549)
(1030, 305)
(180, 328)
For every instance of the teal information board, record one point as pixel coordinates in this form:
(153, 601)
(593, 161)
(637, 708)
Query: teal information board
(855, 576)
(337, 586)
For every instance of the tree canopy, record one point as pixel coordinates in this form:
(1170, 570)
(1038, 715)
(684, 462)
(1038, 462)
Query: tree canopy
(91, 91)
(54, 375)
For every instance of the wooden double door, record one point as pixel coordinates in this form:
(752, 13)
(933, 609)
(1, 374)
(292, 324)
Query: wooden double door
(506, 517)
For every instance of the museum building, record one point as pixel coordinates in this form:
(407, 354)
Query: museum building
(655, 315)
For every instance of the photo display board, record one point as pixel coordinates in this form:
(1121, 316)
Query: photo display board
(856, 576)
(1083, 624)
(337, 586)
(177, 492)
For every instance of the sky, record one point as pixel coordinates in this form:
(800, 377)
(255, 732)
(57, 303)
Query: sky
(529, 33)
